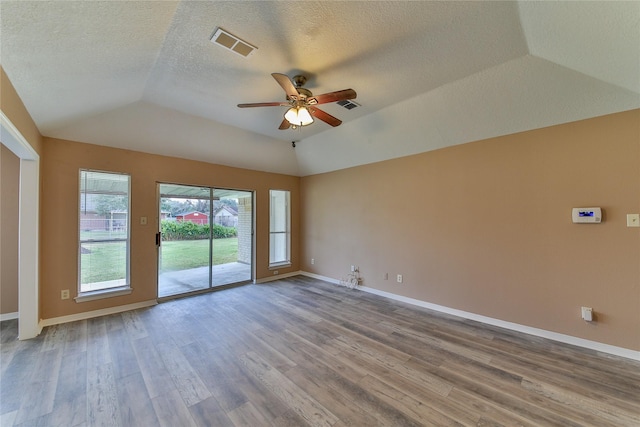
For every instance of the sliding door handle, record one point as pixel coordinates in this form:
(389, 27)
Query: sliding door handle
(158, 239)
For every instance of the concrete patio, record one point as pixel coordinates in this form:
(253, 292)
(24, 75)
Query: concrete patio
(195, 279)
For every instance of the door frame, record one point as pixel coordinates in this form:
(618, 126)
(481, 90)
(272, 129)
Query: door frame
(212, 190)
(28, 230)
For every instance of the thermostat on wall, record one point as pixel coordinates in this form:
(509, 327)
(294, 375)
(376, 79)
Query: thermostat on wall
(586, 215)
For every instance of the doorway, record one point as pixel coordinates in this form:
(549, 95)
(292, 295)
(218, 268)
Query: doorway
(205, 238)
(28, 232)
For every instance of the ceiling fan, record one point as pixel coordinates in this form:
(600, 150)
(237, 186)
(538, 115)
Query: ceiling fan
(302, 103)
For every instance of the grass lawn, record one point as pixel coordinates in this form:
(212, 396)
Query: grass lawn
(102, 234)
(106, 261)
(103, 261)
(184, 254)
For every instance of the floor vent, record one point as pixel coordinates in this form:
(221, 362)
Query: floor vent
(232, 43)
(348, 104)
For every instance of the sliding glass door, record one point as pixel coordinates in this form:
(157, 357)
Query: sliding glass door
(205, 238)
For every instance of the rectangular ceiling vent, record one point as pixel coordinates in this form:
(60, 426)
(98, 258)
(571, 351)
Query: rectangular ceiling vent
(348, 104)
(232, 43)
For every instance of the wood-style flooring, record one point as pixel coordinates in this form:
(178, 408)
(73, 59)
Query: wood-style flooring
(298, 352)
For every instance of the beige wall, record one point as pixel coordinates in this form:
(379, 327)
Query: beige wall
(59, 215)
(486, 227)
(9, 186)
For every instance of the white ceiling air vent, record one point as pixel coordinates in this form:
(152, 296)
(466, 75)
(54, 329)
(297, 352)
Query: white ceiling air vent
(348, 104)
(231, 42)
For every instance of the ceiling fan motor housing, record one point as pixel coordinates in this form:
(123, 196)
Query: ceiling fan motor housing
(304, 93)
(299, 80)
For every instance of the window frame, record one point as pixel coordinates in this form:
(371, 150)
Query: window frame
(121, 289)
(286, 231)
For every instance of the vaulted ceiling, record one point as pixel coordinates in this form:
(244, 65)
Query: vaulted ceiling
(144, 75)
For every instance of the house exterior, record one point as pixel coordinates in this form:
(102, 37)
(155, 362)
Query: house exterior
(91, 220)
(196, 217)
(225, 216)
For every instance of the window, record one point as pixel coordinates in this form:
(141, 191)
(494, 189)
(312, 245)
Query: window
(103, 249)
(279, 229)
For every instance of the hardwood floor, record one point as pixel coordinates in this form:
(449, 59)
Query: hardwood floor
(300, 352)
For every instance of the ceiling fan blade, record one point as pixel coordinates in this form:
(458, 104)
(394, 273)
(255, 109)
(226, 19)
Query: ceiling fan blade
(284, 125)
(264, 104)
(325, 117)
(333, 97)
(285, 82)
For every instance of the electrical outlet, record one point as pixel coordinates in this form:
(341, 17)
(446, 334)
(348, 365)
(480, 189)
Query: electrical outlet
(399, 278)
(353, 268)
(313, 261)
(64, 294)
(143, 220)
(275, 272)
(633, 220)
(587, 314)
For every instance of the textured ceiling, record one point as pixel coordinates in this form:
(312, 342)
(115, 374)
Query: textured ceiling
(144, 75)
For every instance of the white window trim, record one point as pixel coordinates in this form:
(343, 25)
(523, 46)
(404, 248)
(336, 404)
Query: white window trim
(287, 231)
(103, 293)
(115, 291)
(276, 265)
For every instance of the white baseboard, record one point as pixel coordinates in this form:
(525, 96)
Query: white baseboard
(8, 316)
(323, 278)
(555, 336)
(277, 277)
(96, 313)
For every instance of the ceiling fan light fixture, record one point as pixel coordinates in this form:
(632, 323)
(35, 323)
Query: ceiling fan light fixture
(298, 116)
(304, 116)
